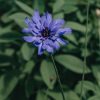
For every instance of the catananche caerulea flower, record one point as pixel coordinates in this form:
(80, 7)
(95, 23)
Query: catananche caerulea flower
(44, 32)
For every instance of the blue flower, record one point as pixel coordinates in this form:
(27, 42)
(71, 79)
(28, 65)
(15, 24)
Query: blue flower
(45, 33)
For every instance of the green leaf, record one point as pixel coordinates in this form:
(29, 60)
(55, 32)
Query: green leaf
(96, 72)
(57, 6)
(80, 16)
(9, 52)
(19, 18)
(27, 70)
(72, 96)
(41, 96)
(26, 51)
(38, 78)
(68, 95)
(82, 40)
(29, 87)
(88, 86)
(5, 41)
(5, 17)
(4, 30)
(70, 2)
(5, 58)
(72, 63)
(48, 73)
(59, 15)
(28, 67)
(69, 9)
(7, 84)
(91, 1)
(96, 97)
(24, 7)
(40, 5)
(71, 38)
(76, 26)
(86, 53)
(9, 36)
(56, 95)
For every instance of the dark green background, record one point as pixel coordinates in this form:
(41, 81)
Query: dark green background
(26, 76)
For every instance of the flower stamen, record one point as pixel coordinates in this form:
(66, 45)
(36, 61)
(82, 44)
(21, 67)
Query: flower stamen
(45, 32)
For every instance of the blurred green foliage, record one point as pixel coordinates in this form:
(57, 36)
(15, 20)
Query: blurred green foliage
(26, 76)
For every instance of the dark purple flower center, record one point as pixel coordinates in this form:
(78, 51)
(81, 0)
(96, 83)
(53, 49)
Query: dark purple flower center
(45, 32)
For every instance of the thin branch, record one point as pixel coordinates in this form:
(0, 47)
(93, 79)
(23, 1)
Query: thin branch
(85, 51)
(60, 85)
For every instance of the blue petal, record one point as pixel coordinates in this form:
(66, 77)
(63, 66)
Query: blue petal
(44, 46)
(56, 24)
(48, 19)
(36, 44)
(26, 30)
(29, 38)
(56, 45)
(31, 26)
(43, 21)
(34, 29)
(49, 49)
(48, 41)
(36, 16)
(64, 30)
(40, 50)
(37, 41)
(61, 41)
(38, 25)
(52, 44)
(29, 22)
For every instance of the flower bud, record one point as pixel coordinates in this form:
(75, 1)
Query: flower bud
(98, 12)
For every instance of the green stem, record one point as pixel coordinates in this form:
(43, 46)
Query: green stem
(99, 30)
(85, 51)
(60, 85)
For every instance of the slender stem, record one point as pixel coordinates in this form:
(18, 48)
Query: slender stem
(99, 30)
(60, 85)
(85, 51)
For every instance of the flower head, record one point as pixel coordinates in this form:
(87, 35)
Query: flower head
(44, 32)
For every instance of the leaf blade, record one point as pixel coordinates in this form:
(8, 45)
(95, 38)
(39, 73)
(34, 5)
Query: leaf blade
(72, 63)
